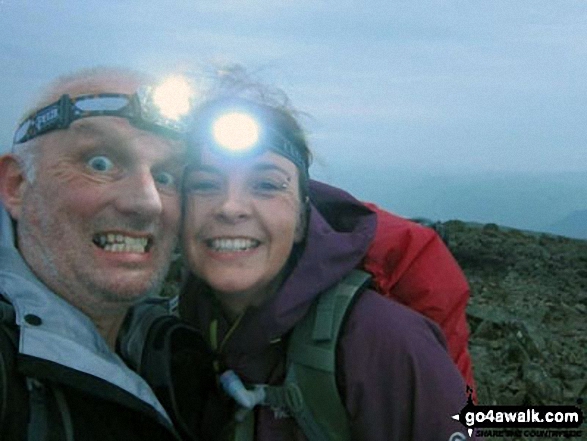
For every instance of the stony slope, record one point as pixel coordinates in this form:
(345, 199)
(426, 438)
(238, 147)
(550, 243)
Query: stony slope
(527, 314)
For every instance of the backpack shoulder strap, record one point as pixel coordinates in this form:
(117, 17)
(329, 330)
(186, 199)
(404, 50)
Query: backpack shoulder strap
(137, 325)
(8, 348)
(319, 410)
(14, 397)
(172, 358)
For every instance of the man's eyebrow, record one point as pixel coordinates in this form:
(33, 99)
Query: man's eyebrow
(87, 126)
(93, 130)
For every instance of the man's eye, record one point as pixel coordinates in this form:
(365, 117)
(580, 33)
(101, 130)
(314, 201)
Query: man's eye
(100, 163)
(164, 179)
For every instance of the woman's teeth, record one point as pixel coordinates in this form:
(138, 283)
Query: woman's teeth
(224, 244)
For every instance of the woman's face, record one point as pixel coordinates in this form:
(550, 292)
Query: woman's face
(242, 218)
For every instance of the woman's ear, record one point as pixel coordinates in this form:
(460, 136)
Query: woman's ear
(300, 232)
(12, 185)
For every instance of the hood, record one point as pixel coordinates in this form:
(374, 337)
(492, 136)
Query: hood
(62, 334)
(340, 230)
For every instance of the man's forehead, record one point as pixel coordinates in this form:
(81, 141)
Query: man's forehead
(97, 87)
(118, 130)
(105, 83)
(113, 136)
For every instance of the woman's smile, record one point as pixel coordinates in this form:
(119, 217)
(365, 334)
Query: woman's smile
(241, 223)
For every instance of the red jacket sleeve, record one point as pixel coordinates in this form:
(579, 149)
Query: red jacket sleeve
(411, 264)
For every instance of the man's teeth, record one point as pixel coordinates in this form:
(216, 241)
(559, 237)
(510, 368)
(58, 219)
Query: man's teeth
(232, 244)
(118, 243)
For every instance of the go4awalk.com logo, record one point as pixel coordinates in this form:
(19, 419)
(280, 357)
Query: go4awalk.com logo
(549, 422)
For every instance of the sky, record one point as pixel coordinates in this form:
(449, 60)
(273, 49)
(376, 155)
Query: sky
(397, 93)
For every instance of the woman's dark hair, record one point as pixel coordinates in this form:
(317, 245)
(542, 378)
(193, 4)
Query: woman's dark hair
(234, 84)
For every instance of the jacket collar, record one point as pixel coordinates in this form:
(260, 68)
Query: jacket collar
(53, 330)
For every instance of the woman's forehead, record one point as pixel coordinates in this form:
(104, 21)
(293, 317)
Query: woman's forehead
(265, 161)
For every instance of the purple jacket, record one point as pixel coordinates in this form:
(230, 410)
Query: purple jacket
(394, 371)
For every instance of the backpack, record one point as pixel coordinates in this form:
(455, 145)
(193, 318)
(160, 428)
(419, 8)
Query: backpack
(309, 393)
(151, 341)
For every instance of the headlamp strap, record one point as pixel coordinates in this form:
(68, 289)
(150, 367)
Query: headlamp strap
(53, 116)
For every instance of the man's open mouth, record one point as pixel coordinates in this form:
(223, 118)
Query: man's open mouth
(120, 243)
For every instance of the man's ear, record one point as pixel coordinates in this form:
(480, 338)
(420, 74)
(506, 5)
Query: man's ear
(12, 185)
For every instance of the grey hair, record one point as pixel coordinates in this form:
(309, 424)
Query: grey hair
(26, 155)
(65, 83)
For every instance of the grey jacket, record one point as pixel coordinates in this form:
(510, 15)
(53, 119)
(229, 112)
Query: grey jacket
(59, 345)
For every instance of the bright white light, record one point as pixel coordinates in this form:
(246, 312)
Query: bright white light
(236, 131)
(172, 97)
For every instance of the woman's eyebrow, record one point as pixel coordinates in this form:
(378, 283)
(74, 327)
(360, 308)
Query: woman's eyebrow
(202, 168)
(270, 167)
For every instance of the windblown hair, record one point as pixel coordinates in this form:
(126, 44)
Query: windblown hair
(233, 82)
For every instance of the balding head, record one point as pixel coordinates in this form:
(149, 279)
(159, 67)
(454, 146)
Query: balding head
(98, 223)
(94, 80)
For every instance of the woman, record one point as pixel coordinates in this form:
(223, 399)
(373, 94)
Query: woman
(261, 255)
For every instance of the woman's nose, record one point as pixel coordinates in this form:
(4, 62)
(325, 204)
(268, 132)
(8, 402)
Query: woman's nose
(235, 205)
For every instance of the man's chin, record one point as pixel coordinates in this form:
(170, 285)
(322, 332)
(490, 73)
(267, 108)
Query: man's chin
(129, 283)
(131, 290)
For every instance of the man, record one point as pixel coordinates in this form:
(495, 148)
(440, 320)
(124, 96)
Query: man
(92, 210)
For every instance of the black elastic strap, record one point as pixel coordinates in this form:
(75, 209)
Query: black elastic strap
(64, 412)
(37, 428)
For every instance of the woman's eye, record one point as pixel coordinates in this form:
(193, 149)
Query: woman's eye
(100, 163)
(164, 179)
(268, 186)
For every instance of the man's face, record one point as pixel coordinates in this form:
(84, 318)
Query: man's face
(99, 223)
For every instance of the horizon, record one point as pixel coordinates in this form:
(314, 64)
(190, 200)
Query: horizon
(431, 89)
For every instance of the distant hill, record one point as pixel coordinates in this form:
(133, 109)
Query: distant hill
(574, 225)
(528, 201)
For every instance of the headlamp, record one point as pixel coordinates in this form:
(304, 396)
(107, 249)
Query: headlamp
(241, 128)
(236, 131)
(146, 109)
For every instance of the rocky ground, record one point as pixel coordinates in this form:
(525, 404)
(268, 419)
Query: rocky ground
(527, 314)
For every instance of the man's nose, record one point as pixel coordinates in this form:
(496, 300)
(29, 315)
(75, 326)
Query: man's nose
(140, 195)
